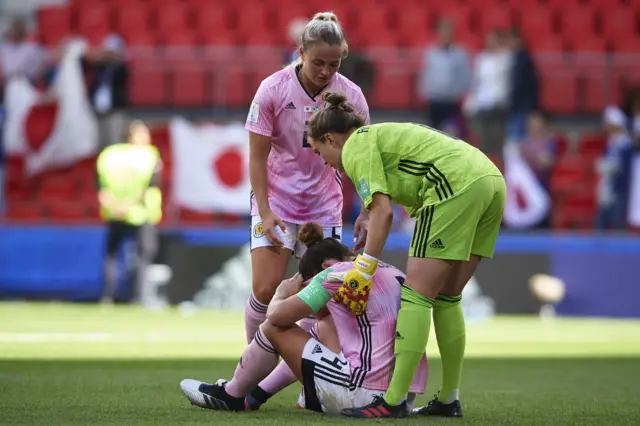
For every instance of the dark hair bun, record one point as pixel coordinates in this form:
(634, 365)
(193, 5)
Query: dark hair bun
(310, 234)
(337, 101)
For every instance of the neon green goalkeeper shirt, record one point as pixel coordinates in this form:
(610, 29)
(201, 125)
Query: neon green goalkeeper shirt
(414, 165)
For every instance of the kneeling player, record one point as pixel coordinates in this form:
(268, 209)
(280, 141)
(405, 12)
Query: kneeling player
(352, 371)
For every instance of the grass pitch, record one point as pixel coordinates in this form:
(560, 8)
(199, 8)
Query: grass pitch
(81, 364)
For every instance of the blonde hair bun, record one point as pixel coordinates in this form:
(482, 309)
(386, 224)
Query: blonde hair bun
(326, 16)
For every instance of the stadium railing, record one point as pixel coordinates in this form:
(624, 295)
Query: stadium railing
(227, 77)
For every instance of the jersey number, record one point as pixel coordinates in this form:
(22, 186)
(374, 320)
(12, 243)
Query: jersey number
(305, 136)
(436, 130)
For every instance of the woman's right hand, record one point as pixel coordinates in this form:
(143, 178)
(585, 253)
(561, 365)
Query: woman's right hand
(269, 223)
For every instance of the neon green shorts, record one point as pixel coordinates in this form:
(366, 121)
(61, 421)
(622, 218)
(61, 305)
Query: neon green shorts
(465, 225)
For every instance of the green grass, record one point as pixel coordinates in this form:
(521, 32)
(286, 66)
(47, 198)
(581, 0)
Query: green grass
(80, 365)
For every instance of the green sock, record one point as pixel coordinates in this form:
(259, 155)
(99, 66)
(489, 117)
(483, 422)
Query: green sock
(412, 333)
(448, 321)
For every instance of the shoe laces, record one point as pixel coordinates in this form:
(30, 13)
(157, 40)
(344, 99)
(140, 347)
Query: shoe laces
(434, 400)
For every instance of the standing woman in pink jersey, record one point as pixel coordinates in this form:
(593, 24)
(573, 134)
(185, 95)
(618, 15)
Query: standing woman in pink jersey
(291, 185)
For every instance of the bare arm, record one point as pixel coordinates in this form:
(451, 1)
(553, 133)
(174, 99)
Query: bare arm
(259, 148)
(286, 308)
(380, 220)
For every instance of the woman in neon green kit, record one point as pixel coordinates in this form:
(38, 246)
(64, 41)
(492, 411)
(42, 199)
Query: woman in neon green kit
(457, 195)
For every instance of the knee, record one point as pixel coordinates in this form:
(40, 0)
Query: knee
(263, 292)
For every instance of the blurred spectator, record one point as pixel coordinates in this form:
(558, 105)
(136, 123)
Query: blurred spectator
(487, 100)
(444, 77)
(130, 203)
(614, 169)
(109, 88)
(295, 30)
(456, 127)
(539, 146)
(358, 68)
(18, 56)
(632, 110)
(524, 93)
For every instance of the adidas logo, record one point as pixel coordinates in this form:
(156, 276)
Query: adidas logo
(399, 336)
(316, 350)
(290, 105)
(437, 244)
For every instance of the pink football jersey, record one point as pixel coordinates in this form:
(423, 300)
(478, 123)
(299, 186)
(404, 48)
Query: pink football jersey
(368, 341)
(301, 187)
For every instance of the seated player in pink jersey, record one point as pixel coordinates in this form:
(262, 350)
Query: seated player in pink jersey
(339, 368)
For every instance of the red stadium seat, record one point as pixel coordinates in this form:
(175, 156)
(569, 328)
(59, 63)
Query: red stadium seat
(382, 38)
(537, 21)
(459, 14)
(619, 23)
(19, 189)
(56, 186)
(591, 68)
(592, 145)
(625, 75)
(546, 43)
(500, 17)
(66, 211)
(567, 173)
(577, 22)
(370, 20)
(141, 38)
(262, 37)
(559, 89)
(172, 17)
(588, 43)
(54, 23)
(94, 22)
(193, 217)
(135, 18)
(189, 85)
(24, 211)
(415, 25)
(212, 22)
(148, 84)
(231, 89)
(392, 90)
(629, 44)
(185, 39)
(254, 20)
(393, 86)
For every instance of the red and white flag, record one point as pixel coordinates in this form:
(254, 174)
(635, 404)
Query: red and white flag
(528, 202)
(52, 129)
(210, 167)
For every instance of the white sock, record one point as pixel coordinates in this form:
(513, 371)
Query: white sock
(453, 396)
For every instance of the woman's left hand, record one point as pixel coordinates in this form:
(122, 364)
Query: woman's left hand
(288, 288)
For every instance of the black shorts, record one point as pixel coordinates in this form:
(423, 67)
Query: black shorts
(117, 234)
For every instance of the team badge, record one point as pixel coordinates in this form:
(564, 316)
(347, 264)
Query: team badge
(258, 230)
(311, 108)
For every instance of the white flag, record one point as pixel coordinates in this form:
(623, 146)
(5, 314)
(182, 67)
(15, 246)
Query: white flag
(210, 167)
(73, 135)
(634, 193)
(521, 179)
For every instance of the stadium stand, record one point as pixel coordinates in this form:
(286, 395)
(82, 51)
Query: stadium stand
(202, 53)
